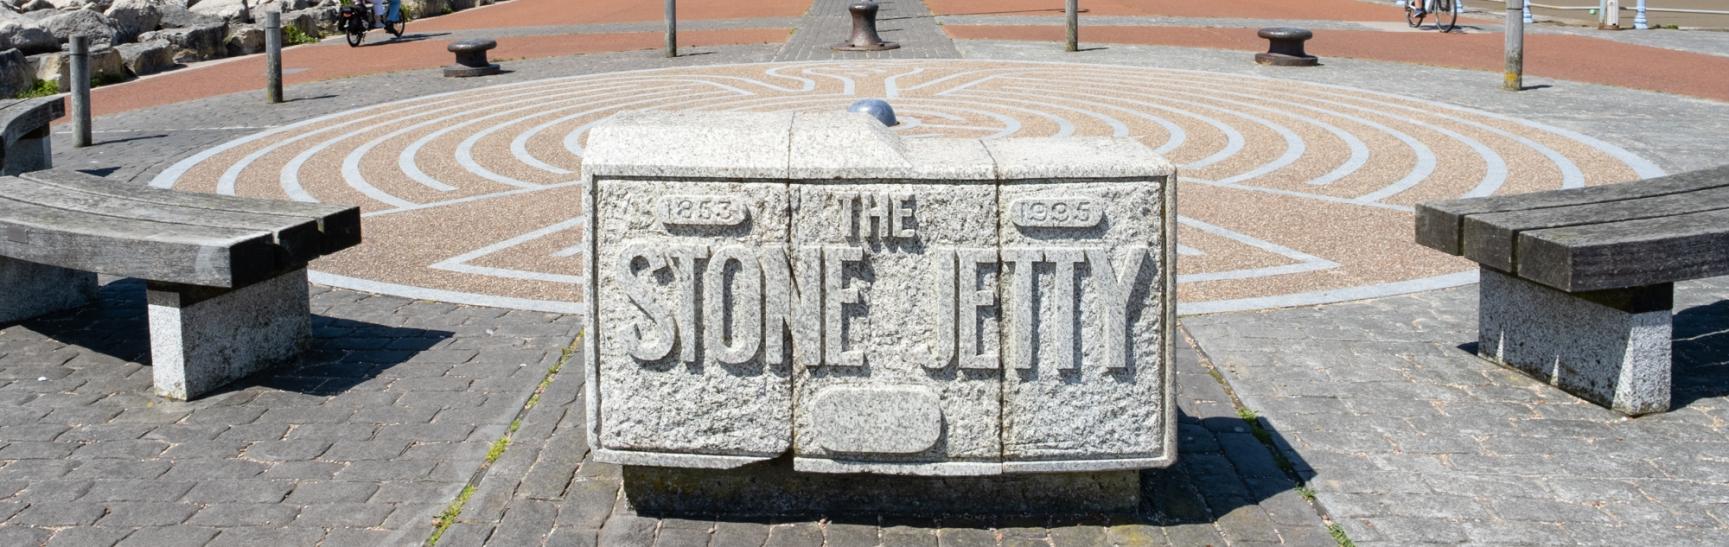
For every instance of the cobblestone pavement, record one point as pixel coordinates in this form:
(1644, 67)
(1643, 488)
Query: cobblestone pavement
(361, 443)
(1226, 489)
(1410, 438)
(905, 22)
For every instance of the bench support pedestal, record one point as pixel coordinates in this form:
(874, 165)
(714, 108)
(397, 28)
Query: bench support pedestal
(1608, 347)
(28, 289)
(203, 338)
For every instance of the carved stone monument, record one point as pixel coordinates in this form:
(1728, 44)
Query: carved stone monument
(773, 284)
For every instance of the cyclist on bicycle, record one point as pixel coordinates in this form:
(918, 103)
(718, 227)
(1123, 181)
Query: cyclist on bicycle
(383, 12)
(1416, 7)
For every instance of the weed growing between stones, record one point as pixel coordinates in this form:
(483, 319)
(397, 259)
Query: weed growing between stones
(447, 518)
(1260, 432)
(293, 36)
(43, 88)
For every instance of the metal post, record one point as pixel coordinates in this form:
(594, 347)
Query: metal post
(1071, 9)
(671, 28)
(1527, 17)
(1611, 14)
(80, 46)
(1513, 79)
(273, 56)
(1458, 7)
(1639, 17)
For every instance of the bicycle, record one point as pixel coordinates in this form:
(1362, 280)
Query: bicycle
(357, 19)
(1444, 11)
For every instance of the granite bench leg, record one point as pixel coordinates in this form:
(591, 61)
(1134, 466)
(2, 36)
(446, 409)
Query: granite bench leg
(28, 289)
(1608, 347)
(202, 338)
(32, 152)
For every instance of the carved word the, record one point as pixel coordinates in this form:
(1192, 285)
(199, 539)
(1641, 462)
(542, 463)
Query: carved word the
(879, 215)
(701, 210)
(809, 296)
(1056, 212)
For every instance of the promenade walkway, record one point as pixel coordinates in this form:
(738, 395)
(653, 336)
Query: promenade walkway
(1322, 385)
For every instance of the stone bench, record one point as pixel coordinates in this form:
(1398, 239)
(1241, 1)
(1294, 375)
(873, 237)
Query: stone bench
(1577, 284)
(226, 275)
(24, 140)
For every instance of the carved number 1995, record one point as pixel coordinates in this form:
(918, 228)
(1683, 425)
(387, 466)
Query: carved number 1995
(1056, 212)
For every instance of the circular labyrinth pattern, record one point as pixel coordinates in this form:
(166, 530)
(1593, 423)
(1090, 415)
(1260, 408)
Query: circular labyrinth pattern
(1291, 193)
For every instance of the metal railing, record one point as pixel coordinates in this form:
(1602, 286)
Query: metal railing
(1609, 12)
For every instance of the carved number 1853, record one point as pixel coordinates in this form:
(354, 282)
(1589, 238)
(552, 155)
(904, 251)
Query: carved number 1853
(701, 210)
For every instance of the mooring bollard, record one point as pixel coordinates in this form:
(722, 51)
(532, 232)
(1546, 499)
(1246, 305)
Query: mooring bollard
(864, 30)
(80, 46)
(273, 56)
(1285, 47)
(471, 58)
(1513, 78)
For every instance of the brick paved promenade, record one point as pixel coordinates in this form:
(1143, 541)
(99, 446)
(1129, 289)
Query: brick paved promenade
(1367, 415)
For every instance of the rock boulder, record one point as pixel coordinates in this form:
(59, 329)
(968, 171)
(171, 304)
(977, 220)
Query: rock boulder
(27, 36)
(133, 17)
(86, 22)
(145, 58)
(245, 40)
(15, 73)
(228, 10)
(194, 43)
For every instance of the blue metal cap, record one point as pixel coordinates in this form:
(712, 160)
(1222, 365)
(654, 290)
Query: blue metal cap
(877, 108)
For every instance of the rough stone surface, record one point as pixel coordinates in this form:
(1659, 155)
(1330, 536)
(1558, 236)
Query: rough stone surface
(133, 17)
(227, 10)
(86, 22)
(147, 57)
(26, 36)
(1608, 356)
(200, 341)
(197, 41)
(885, 299)
(244, 40)
(31, 290)
(16, 73)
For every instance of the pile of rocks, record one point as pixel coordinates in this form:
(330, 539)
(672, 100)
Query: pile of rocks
(130, 38)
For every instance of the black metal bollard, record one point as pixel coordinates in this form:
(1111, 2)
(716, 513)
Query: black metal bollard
(471, 58)
(1285, 47)
(864, 30)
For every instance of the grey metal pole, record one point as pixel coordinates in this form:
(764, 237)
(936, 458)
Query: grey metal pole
(1071, 10)
(273, 56)
(80, 75)
(671, 28)
(1639, 18)
(1513, 79)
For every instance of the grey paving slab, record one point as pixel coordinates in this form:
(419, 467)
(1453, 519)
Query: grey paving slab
(1462, 450)
(906, 22)
(143, 470)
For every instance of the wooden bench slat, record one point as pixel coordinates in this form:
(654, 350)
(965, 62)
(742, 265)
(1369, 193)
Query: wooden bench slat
(175, 253)
(298, 235)
(1490, 238)
(1627, 254)
(1439, 225)
(340, 225)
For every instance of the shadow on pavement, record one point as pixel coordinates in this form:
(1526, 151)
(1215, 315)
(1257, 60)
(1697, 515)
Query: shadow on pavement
(342, 354)
(1701, 353)
(1228, 466)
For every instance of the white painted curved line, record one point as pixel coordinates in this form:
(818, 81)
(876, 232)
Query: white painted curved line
(891, 84)
(167, 178)
(1304, 262)
(460, 263)
(455, 297)
(1297, 194)
(1118, 128)
(1359, 292)
(519, 143)
(465, 149)
(405, 159)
